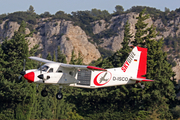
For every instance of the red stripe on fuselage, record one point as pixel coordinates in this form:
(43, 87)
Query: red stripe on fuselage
(96, 68)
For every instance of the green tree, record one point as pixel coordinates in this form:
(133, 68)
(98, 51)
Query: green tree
(141, 30)
(49, 57)
(123, 53)
(167, 10)
(76, 61)
(156, 96)
(60, 56)
(119, 9)
(54, 57)
(16, 97)
(31, 9)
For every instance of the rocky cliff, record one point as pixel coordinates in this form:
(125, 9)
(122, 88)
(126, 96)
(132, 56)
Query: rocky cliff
(53, 33)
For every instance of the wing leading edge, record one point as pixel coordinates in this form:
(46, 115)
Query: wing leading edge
(40, 59)
(82, 67)
(67, 65)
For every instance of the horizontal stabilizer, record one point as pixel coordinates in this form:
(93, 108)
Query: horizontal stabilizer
(141, 80)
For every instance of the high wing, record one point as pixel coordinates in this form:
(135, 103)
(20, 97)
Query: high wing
(67, 65)
(82, 67)
(40, 59)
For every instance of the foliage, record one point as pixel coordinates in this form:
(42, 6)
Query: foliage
(49, 57)
(60, 56)
(105, 53)
(45, 15)
(149, 10)
(156, 96)
(31, 9)
(19, 100)
(76, 60)
(19, 16)
(172, 45)
(140, 29)
(104, 34)
(119, 8)
(62, 15)
(16, 96)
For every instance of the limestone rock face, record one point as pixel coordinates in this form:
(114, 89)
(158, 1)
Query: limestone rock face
(117, 25)
(99, 26)
(68, 37)
(7, 29)
(77, 39)
(53, 33)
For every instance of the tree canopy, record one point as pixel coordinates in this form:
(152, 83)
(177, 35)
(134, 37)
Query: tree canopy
(21, 100)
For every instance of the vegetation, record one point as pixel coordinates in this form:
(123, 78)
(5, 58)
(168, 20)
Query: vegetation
(20, 100)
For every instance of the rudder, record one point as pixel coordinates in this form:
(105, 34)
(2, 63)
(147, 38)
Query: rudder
(136, 62)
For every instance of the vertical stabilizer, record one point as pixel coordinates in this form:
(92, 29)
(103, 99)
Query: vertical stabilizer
(135, 64)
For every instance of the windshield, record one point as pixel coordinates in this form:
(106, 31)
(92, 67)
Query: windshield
(44, 68)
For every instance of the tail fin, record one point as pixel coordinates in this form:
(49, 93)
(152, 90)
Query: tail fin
(136, 63)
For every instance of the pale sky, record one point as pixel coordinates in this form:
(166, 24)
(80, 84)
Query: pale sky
(52, 6)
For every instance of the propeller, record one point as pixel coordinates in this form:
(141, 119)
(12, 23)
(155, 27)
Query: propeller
(23, 72)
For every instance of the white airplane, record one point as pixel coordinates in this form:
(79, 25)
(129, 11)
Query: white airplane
(89, 76)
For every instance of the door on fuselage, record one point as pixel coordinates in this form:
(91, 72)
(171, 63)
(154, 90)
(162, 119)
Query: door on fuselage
(84, 76)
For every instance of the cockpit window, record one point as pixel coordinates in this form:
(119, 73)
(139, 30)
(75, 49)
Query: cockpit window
(44, 68)
(50, 70)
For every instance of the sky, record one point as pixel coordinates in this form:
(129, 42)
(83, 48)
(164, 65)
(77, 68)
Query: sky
(68, 6)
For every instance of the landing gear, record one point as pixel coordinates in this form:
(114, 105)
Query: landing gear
(141, 85)
(37, 91)
(44, 93)
(59, 95)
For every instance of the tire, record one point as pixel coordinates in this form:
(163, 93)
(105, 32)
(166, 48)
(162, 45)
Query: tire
(59, 96)
(44, 93)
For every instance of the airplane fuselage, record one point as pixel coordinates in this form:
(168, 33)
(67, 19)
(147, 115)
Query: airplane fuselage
(53, 74)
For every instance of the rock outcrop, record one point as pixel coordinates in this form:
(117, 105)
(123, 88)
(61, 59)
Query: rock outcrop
(117, 25)
(53, 33)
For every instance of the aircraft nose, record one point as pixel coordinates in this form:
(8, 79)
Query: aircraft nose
(29, 77)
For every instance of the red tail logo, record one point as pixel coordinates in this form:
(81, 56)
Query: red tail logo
(128, 61)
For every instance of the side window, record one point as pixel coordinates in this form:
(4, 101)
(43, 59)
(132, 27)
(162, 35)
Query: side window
(60, 71)
(71, 73)
(50, 70)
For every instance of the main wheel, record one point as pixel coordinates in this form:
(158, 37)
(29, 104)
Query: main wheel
(44, 93)
(59, 96)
